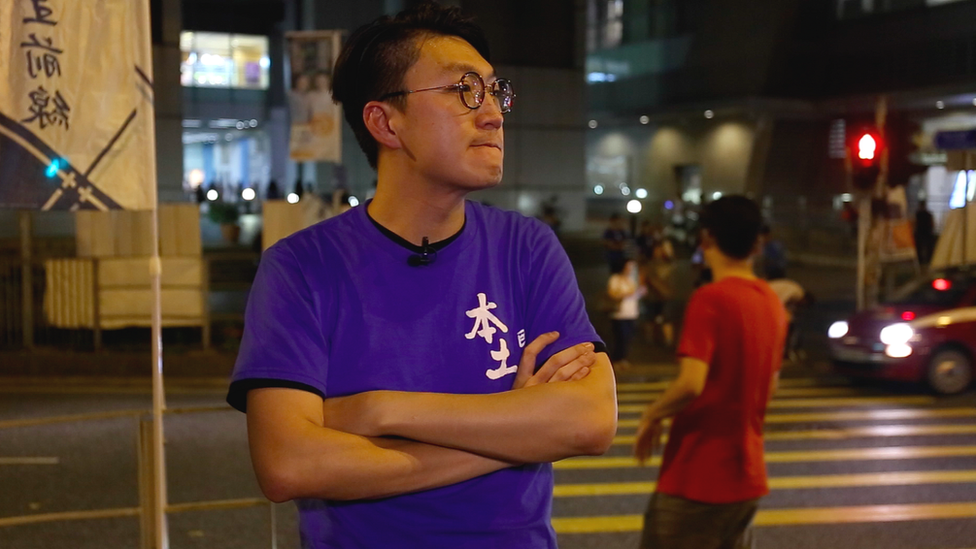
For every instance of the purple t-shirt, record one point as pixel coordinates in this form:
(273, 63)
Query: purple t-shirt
(336, 309)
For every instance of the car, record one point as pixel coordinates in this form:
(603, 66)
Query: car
(926, 333)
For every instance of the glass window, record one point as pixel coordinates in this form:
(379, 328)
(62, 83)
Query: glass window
(837, 145)
(217, 60)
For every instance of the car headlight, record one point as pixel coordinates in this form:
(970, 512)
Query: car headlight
(838, 330)
(900, 350)
(896, 334)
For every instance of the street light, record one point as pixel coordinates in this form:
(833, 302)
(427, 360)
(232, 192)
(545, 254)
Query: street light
(641, 193)
(634, 207)
(212, 195)
(292, 198)
(248, 194)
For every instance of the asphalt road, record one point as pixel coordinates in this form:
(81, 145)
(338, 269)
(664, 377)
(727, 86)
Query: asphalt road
(855, 467)
(837, 453)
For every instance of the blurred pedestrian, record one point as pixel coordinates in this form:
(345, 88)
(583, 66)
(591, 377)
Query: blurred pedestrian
(794, 298)
(850, 215)
(624, 287)
(924, 233)
(658, 277)
(388, 364)
(646, 236)
(273, 192)
(550, 213)
(701, 272)
(713, 471)
(773, 255)
(615, 240)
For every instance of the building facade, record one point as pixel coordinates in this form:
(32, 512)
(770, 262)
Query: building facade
(233, 105)
(692, 99)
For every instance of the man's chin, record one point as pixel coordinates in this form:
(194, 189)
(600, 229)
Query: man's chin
(490, 178)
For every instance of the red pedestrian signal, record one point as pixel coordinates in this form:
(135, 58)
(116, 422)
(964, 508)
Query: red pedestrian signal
(866, 147)
(865, 152)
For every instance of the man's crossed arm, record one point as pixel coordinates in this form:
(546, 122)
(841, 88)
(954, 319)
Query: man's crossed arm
(341, 448)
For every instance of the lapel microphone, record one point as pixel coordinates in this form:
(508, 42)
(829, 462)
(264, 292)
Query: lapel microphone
(426, 256)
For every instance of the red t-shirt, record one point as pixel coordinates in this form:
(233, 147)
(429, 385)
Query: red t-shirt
(715, 448)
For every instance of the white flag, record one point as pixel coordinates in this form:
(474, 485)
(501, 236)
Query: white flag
(76, 105)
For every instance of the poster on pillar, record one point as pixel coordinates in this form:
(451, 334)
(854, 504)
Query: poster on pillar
(76, 105)
(316, 122)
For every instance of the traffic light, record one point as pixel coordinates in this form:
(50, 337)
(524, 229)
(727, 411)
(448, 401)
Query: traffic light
(866, 149)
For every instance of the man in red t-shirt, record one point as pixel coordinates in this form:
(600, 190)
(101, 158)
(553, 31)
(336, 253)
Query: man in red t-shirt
(731, 347)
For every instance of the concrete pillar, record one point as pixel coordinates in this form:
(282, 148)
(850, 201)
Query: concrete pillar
(169, 101)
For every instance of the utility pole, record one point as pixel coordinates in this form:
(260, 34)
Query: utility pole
(867, 265)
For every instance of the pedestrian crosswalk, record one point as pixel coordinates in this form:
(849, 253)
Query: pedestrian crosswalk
(839, 457)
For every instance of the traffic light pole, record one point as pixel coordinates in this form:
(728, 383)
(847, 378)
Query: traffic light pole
(965, 214)
(863, 226)
(866, 221)
(967, 166)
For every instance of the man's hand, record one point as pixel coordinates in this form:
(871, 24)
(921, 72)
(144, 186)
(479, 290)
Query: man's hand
(567, 365)
(647, 439)
(359, 414)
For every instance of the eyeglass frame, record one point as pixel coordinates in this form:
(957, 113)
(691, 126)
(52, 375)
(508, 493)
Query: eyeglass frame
(491, 90)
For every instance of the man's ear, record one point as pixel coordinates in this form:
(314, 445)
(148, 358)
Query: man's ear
(707, 241)
(379, 120)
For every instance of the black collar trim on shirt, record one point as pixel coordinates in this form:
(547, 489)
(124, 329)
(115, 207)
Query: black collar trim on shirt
(439, 245)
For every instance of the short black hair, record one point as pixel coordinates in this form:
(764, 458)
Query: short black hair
(376, 57)
(734, 222)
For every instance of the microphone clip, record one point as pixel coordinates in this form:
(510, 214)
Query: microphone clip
(426, 256)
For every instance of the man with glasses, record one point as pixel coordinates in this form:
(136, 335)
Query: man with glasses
(388, 367)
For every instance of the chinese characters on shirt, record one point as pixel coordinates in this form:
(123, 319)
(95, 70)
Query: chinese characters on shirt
(486, 325)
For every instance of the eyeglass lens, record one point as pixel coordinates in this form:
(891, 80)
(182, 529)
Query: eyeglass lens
(472, 90)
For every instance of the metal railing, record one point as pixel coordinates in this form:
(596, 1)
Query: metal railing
(146, 486)
(24, 326)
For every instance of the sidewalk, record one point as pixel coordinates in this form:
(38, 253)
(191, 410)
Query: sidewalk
(831, 281)
(49, 363)
(110, 385)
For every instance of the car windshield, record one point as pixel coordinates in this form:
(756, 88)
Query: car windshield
(943, 290)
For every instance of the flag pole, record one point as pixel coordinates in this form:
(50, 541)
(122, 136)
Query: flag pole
(161, 531)
(159, 396)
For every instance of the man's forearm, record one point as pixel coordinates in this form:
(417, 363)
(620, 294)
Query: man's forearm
(411, 466)
(296, 457)
(674, 399)
(537, 424)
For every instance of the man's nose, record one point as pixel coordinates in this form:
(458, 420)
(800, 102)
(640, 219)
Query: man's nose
(490, 114)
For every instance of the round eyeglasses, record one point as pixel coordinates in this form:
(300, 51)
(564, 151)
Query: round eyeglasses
(472, 90)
